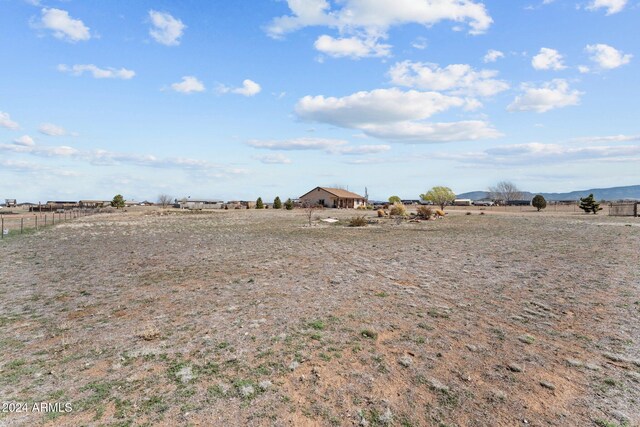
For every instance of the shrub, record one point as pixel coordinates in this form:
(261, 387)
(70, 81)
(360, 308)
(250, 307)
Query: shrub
(288, 205)
(439, 212)
(362, 208)
(589, 204)
(398, 209)
(277, 203)
(358, 221)
(381, 213)
(425, 212)
(259, 204)
(539, 202)
(441, 196)
(118, 201)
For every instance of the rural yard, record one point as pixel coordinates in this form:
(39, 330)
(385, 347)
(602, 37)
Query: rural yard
(251, 317)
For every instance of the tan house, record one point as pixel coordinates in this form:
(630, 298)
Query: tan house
(333, 198)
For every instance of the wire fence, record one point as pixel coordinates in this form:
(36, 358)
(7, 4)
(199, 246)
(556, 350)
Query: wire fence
(16, 224)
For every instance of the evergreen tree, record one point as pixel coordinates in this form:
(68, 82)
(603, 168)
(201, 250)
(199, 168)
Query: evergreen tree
(118, 201)
(259, 204)
(288, 205)
(539, 202)
(589, 204)
(277, 204)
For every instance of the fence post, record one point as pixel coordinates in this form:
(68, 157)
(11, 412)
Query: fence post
(36, 222)
(45, 220)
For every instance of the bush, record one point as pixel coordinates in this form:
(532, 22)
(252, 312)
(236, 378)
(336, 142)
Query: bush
(381, 213)
(259, 204)
(425, 212)
(394, 199)
(439, 212)
(288, 205)
(398, 209)
(358, 221)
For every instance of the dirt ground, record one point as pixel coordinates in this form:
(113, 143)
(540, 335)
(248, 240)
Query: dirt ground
(253, 318)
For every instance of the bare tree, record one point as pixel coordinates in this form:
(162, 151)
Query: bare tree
(309, 207)
(164, 200)
(505, 191)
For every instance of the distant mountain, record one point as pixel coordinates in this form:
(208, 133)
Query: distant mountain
(613, 193)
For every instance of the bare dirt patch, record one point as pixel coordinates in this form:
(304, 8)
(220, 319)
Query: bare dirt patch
(251, 318)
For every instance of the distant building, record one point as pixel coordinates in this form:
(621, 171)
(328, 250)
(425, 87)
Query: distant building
(193, 204)
(10, 203)
(333, 198)
(93, 204)
(462, 202)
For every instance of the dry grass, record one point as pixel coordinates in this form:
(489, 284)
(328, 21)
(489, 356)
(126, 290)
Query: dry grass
(250, 318)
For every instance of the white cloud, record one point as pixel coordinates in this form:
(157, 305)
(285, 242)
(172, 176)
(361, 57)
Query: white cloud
(420, 43)
(105, 157)
(376, 106)
(298, 144)
(6, 122)
(274, 159)
(351, 47)
(548, 59)
(362, 149)
(583, 69)
(249, 88)
(606, 139)
(492, 56)
(24, 140)
(607, 57)
(166, 29)
(376, 17)
(98, 73)
(367, 22)
(395, 115)
(551, 95)
(63, 26)
(459, 79)
(419, 132)
(189, 84)
(612, 6)
(51, 129)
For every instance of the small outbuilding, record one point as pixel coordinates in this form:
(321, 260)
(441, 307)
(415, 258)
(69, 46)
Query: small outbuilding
(333, 198)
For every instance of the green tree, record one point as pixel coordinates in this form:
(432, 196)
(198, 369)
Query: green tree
(288, 205)
(394, 199)
(259, 204)
(277, 204)
(440, 196)
(589, 204)
(118, 201)
(539, 202)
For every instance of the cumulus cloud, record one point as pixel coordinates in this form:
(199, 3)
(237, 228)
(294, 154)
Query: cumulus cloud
(378, 16)
(165, 29)
(458, 79)
(607, 57)
(96, 72)
(63, 26)
(612, 6)
(51, 129)
(492, 56)
(376, 106)
(6, 122)
(548, 59)
(606, 139)
(274, 159)
(189, 84)
(248, 88)
(551, 95)
(362, 149)
(24, 140)
(351, 47)
(395, 115)
(367, 22)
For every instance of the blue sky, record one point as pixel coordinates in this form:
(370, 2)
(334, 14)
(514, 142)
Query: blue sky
(236, 100)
